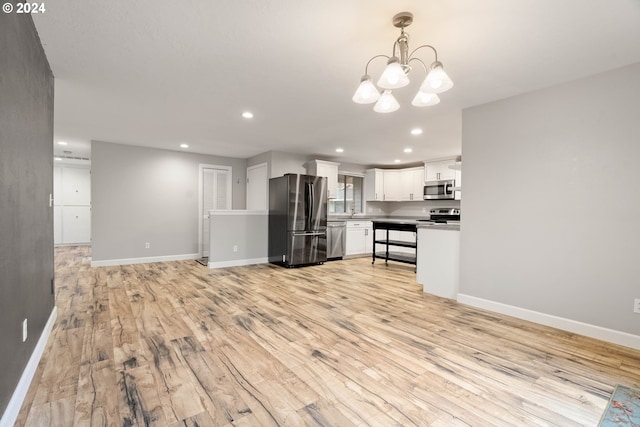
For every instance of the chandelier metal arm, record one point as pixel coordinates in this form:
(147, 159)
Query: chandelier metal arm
(425, 45)
(366, 68)
(426, 70)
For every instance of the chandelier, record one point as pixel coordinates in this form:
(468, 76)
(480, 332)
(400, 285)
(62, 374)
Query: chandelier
(395, 75)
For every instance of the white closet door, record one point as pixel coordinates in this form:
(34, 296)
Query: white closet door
(257, 187)
(76, 187)
(57, 186)
(216, 194)
(57, 225)
(76, 224)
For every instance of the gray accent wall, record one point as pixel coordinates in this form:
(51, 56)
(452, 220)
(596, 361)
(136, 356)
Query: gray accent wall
(247, 233)
(550, 206)
(26, 180)
(150, 195)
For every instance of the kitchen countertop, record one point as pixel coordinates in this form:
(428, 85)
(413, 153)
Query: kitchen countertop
(420, 222)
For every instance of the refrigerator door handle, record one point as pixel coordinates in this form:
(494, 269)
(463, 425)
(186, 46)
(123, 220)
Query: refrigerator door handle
(308, 193)
(312, 233)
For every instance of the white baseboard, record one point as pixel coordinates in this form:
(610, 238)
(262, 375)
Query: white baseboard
(13, 408)
(125, 261)
(593, 331)
(237, 262)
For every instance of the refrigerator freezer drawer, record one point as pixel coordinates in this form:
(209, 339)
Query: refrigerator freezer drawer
(306, 248)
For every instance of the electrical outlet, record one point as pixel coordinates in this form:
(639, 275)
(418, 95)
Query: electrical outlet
(235, 248)
(147, 245)
(24, 330)
(636, 305)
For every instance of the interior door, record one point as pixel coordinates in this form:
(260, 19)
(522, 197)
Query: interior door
(257, 187)
(216, 194)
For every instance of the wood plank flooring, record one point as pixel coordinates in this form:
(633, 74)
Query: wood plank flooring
(343, 344)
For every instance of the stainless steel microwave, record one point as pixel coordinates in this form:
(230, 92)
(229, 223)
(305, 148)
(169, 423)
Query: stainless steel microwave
(439, 190)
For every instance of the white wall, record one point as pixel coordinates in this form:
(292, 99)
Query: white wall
(551, 212)
(144, 195)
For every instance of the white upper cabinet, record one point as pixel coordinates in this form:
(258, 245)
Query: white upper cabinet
(374, 185)
(438, 171)
(392, 185)
(412, 184)
(328, 170)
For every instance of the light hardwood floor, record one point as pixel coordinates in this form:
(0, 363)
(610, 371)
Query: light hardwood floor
(343, 344)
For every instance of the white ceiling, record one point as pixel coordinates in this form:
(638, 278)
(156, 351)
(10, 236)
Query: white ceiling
(157, 73)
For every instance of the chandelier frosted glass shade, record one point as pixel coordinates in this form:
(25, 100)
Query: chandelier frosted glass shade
(367, 93)
(386, 104)
(424, 99)
(437, 80)
(396, 74)
(393, 76)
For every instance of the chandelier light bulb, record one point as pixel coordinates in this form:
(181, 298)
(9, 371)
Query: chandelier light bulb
(386, 104)
(366, 92)
(393, 76)
(437, 80)
(424, 99)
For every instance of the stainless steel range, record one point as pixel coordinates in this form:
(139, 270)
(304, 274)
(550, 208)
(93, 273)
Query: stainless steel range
(443, 216)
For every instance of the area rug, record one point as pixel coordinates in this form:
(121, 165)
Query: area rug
(623, 408)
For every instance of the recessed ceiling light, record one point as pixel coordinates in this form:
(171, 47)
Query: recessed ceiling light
(57, 158)
(408, 150)
(62, 143)
(184, 145)
(247, 115)
(339, 150)
(416, 131)
(396, 161)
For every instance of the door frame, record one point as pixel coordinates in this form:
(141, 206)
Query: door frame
(201, 168)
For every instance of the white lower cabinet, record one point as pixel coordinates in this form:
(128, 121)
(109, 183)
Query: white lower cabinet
(359, 238)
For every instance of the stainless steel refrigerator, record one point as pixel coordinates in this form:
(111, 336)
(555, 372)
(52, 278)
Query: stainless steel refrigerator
(297, 220)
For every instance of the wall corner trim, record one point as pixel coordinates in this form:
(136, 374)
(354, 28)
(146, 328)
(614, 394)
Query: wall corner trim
(569, 325)
(13, 408)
